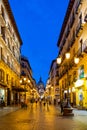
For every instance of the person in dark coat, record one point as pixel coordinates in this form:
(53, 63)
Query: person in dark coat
(61, 105)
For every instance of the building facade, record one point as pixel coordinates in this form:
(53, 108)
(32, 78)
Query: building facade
(10, 43)
(27, 82)
(54, 83)
(41, 88)
(73, 39)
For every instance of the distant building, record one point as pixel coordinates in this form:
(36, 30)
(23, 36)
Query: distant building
(41, 88)
(28, 84)
(52, 86)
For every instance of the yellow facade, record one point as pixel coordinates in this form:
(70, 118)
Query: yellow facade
(27, 81)
(73, 39)
(53, 90)
(10, 43)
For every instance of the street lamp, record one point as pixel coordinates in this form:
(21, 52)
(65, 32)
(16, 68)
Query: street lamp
(24, 82)
(67, 108)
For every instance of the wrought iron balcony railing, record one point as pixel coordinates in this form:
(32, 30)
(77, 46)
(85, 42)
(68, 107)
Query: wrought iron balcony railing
(79, 27)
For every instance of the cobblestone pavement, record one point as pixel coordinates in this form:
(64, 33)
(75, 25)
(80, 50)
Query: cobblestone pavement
(38, 117)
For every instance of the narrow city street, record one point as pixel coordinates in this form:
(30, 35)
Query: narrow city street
(40, 117)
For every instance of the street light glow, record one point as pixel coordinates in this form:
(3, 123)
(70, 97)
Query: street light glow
(59, 60)
(24, 79)
(76, 60)
(28, 81)
(67, 55)
(20, 81)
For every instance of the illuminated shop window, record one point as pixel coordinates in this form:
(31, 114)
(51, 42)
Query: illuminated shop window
(81, 72)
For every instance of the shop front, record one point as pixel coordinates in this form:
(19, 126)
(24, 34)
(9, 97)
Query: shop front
(2, 94)
(81, 93)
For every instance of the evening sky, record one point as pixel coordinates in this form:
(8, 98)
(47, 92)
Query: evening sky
(39, 23)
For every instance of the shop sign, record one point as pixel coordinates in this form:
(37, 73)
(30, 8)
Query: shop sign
(81, 72)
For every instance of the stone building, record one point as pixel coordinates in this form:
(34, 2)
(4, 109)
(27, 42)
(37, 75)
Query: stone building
(53, 86)
(73, 39)
(10, 43)
(27, 82)
(41, 88)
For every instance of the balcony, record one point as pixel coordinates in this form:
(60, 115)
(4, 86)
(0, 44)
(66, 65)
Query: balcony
(67, 33)
(72, 20)
(57, 83)
(84, 46)
(64, 71)
(8, 64)
(73, 39)
(60, 75)
(2, 34)
(78, 5)
(79, 27)
(2, 19)
(68, 48)
(64, 42)
(82, 49)
(79, 52)
(3, 59)
(85, 19)
(57, 75)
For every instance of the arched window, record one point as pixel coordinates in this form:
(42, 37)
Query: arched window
(1, 75)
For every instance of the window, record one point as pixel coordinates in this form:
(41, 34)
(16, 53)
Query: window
(85, 15)
(69, 80)
(7, 78)
(1, 75)
(2, 11)
(23, 65)
(1, 52)
(72, 19)
(62, 84)
(9, 27)
(81, 72)
(84, 46)
(81, 42)
(8, 40)
(13, 49)
(74, 76)
(79, 2)
(23, 73)
(3, 32)
(74, 51)
(12, 81)
(8, 61)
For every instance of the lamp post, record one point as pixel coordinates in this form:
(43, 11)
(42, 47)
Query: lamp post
(67, 108)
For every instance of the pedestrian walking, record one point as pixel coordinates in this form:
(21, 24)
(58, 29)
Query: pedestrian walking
(22, 102)
(44, 103)
(2, 104)
(36, 100)
(61, 105)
